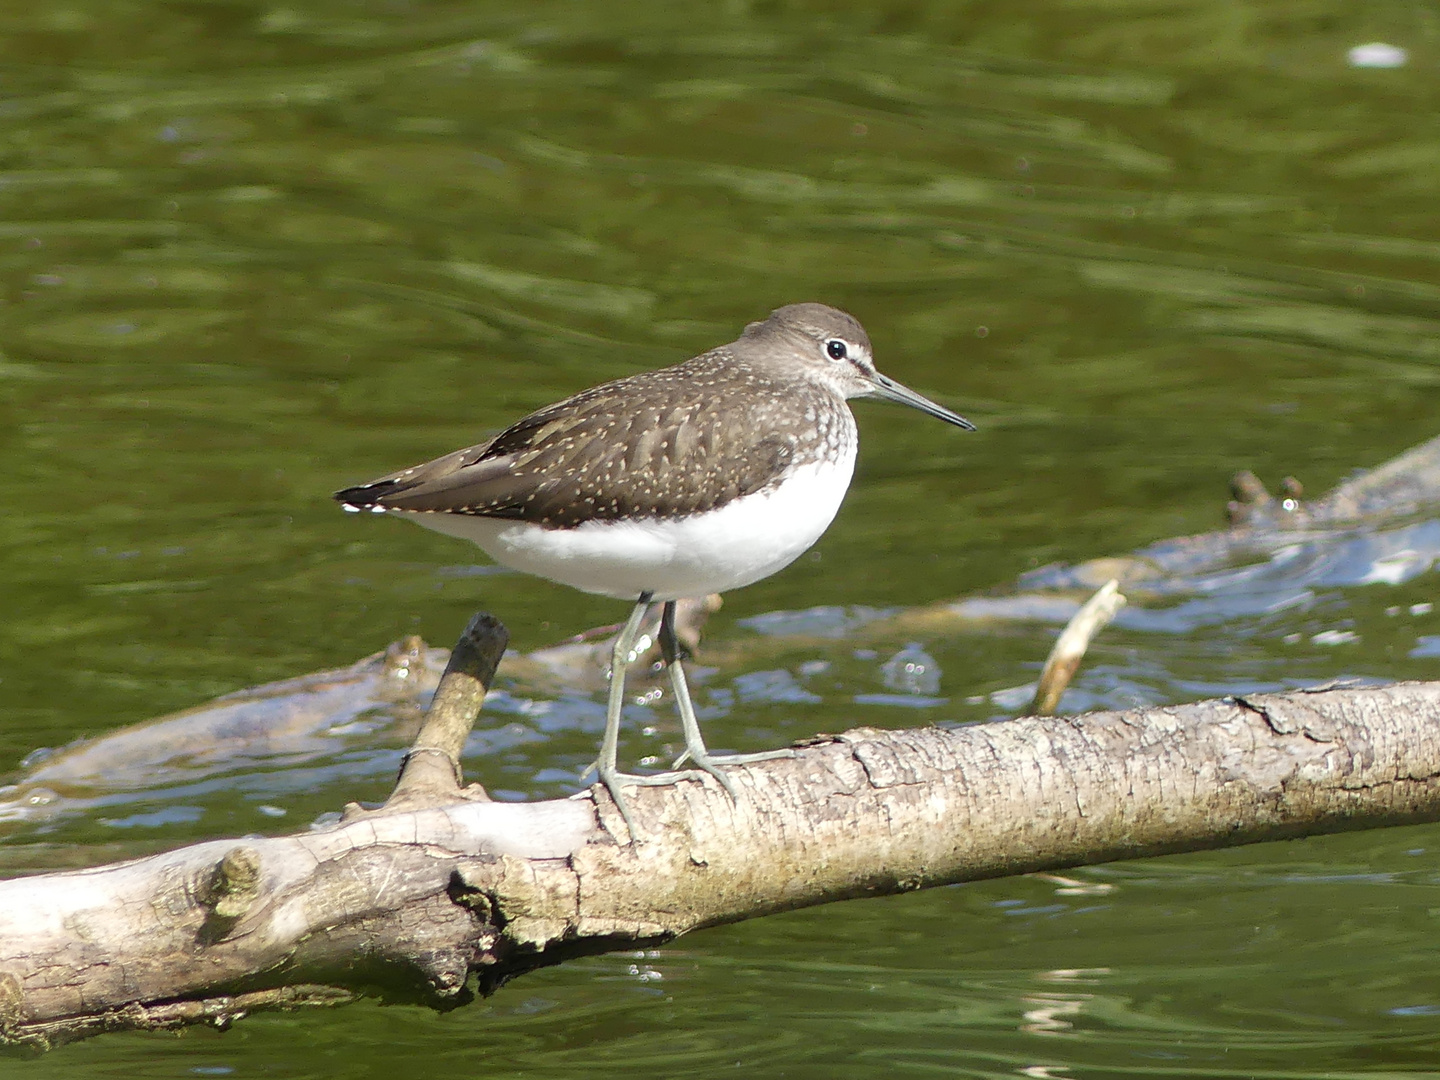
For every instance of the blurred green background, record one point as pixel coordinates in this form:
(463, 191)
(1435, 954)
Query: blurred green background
(255, 252)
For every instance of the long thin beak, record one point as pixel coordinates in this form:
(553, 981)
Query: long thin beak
(887, 389)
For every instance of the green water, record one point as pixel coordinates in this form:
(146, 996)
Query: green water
(251, 253)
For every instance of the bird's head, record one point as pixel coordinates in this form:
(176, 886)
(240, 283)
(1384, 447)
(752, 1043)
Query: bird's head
(832, 348)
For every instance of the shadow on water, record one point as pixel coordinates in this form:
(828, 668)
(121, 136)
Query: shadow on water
(251, 253)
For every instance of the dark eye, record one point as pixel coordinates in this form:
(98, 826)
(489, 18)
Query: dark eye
(836, 348)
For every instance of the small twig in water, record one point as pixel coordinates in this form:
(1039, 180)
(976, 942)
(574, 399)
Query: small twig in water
(1069, 650)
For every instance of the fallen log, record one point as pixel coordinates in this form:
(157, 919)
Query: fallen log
(442, 893)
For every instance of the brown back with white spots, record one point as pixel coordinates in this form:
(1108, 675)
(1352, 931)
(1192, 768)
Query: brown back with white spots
(661, 444)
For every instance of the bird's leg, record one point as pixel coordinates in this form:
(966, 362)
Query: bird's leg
(620, 659)
(694, 744)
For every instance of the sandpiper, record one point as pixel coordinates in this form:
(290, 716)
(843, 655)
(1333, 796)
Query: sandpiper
(694, 479)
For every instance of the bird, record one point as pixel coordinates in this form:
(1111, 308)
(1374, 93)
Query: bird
(680, 482)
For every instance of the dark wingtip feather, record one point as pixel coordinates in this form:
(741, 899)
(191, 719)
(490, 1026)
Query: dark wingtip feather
(378, 493)
(364, 496)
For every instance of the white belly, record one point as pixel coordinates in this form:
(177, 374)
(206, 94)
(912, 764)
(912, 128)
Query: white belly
(743, 541)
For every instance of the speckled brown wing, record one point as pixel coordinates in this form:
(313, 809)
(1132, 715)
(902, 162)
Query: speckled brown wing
(663, 444)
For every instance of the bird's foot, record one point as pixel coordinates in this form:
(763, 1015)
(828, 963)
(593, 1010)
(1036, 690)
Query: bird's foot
(707, 761)
(614, 781)
(713, 763)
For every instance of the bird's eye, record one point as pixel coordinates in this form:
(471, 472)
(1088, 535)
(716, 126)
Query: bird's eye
(836, 348)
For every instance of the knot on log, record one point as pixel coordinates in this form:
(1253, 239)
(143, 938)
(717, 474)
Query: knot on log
(233, 885)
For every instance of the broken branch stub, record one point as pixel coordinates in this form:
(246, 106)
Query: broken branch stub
(432, 766)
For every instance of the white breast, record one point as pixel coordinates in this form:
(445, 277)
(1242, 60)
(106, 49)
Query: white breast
(743, 541)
